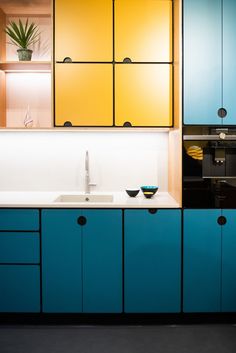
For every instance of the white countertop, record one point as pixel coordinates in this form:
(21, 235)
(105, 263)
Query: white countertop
(120, 200)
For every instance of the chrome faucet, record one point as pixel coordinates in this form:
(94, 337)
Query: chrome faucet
(87, 176)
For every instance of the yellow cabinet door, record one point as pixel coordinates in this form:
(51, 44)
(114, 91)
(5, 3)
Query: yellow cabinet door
(143, 94)
(83, 30)
(83, 94)
(143, 30)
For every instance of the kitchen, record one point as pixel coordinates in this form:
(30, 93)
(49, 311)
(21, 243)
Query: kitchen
(77, 96)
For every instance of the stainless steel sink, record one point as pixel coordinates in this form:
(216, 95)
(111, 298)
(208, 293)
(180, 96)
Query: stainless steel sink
(85, 198)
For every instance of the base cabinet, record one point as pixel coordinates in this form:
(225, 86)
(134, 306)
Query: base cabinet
(152, 261)
(209, 272)
(19, 288)
(82, 261)
(19, 261)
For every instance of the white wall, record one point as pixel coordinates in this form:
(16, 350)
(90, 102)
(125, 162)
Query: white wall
(50, 161)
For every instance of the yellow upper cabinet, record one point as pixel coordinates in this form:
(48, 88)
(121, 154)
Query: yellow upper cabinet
(143, 95)
(83, 95)
(143, 30)
(83, 30)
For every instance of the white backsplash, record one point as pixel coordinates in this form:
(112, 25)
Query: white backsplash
(51, 161)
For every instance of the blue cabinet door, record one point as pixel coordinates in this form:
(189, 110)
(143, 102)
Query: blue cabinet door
(152, 261)
(202, 261)
(19, 247)
(19, 219)
(229, 261)
(229, 69)
(102, 261)
(19, 288)
(61, 261)
(202, 61)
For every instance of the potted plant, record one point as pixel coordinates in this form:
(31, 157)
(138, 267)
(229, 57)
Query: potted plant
(23, 36)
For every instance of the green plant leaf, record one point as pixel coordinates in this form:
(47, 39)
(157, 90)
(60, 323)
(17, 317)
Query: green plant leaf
(22, 35)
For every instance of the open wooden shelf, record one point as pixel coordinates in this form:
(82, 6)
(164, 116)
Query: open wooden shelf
(26, 83)
(25, 66)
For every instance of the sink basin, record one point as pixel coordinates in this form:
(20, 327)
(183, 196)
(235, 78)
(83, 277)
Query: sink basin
(84, 198)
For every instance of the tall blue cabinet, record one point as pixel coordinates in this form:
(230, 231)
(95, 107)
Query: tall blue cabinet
(82, 261)
(209, 46)
(152, 261)
(209, 265)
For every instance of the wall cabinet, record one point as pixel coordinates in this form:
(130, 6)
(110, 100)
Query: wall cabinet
(209, 260)
(143, 95)
(209, 77)
(82, 261)
(83, 30)
(145, 34)
(83, 94)
(19, 261)
(104, 85)
(152, 261)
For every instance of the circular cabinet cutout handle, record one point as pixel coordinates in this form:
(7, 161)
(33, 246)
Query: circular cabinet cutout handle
(82, 220)
(152, 210)
(222, 112)
(127, 60)
(127, 124)
(221, 220)
(67, 123)
(67, 59)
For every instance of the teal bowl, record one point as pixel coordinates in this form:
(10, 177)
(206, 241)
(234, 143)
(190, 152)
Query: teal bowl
(149, 190)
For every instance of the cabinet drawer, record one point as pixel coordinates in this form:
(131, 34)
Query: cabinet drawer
(19, 219)
(19, 247)
(19, 288)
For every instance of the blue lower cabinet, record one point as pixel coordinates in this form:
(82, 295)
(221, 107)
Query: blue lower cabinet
(102, 261)
(152, 261)
(19, 247)
(61, 261)
(229, 262)
(19, 219)
(19, 288)
(82, 261)
(202, 261)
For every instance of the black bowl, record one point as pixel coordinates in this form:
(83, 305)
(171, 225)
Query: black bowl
(149, 191)
(132, 193)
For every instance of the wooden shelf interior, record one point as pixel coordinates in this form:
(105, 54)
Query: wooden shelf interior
(33, 7)
(26, 83)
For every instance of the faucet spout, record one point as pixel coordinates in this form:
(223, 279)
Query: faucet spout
(87, 175)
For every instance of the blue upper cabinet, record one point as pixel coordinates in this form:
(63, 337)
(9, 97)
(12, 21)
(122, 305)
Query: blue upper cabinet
(229, 52)
(152, 261)
(82, 260)
(202, 61)
(229, 261)
(202, 261)
(209, 76)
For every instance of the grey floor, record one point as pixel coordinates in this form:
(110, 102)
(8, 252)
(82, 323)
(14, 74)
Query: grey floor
(118, 339)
